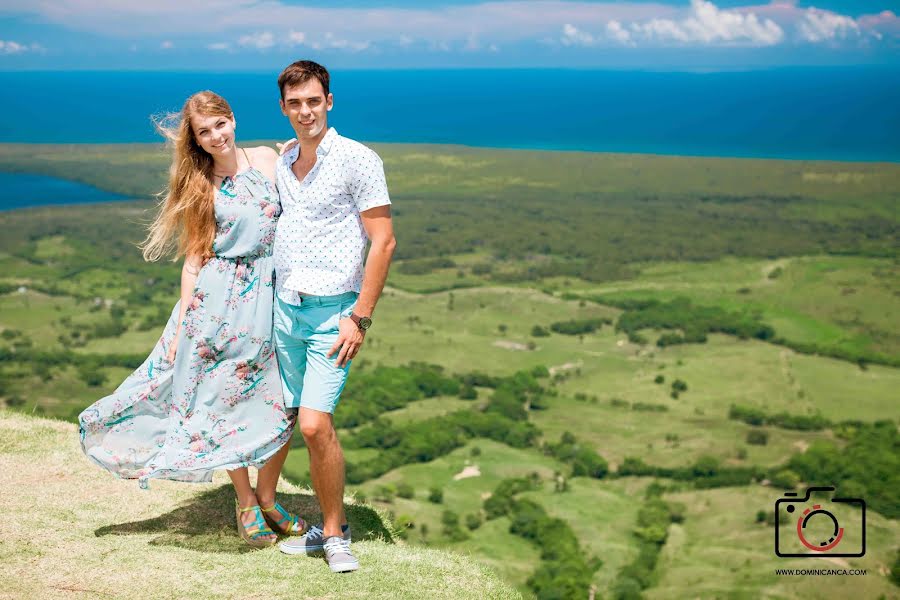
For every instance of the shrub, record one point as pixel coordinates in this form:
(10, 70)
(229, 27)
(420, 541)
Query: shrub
(467, 392)
(385, 493)
(403, 524)
(405, 490)
(436, 495)
(785, 479)
(91, 375)
(757, 437)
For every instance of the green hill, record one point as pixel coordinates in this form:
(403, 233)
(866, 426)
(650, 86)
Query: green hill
(70, 530)
(705, 333)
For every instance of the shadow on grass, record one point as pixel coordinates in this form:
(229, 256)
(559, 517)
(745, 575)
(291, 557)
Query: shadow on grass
(206, 523)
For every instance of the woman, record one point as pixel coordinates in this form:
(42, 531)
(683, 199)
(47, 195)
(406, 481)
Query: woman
(209, 396)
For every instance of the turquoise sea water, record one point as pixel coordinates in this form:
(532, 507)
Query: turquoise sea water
(21, 190)
(801, 113)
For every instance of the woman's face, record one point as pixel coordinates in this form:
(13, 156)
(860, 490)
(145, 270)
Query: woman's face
(214, 134)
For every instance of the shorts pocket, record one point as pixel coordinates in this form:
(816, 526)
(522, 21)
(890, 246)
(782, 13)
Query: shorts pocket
(347, 308)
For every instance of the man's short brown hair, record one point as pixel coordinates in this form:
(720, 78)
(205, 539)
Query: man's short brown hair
(302, 71)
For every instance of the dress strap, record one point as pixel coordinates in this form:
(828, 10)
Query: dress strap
(244, 150)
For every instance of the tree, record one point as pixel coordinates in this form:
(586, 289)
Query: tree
(436, 495)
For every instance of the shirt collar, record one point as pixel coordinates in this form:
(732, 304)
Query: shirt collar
(327, 142)
(322, 149)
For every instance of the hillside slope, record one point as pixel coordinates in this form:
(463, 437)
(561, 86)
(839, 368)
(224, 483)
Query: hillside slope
(70, 530)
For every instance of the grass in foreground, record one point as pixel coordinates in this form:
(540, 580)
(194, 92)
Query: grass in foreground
(71, 530)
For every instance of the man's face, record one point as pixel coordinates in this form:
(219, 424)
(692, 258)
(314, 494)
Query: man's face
(306, 107)
(214, 134)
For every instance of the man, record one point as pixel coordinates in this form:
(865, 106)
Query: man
(334, 199)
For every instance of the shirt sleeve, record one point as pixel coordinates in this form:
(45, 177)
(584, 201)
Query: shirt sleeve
(369, 187)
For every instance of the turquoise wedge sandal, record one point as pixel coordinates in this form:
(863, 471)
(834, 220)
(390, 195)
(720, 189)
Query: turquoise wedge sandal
(254, 533)
(289, 524)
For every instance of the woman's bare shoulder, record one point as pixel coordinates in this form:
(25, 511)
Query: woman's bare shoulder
(263, 153)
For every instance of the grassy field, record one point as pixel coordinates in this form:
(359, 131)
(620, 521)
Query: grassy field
(809, 248)
(107, 538)
(719, 543)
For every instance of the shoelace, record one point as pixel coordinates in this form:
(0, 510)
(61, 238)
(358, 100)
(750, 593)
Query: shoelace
(334, 546)
(314, 532)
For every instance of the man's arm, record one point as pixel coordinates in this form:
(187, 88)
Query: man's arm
(380, 229)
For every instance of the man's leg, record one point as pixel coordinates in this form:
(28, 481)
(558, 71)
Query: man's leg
(326, 467)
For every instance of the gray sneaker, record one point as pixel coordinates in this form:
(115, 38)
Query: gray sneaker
(338, 555)
(310, 542)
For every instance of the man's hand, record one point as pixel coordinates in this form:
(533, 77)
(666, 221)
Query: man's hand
(285, 146)
(350, 338)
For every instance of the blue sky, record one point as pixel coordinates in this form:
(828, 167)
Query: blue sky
(264, 34)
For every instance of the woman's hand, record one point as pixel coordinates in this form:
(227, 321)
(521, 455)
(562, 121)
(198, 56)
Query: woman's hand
(173, 346)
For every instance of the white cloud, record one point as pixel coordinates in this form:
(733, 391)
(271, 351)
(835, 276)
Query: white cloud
(331, 41)
(295, 38)
(707, 24)
(11, 47)
(261, 40)
(824, 26)
(167, 45)
(454, 27)
(616, 32)
(572, 36)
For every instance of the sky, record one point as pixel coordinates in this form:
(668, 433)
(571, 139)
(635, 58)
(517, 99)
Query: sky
(236, 35)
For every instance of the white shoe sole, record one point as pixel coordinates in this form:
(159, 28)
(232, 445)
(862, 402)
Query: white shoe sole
(344, 567)
(293, 551)
(305, 550)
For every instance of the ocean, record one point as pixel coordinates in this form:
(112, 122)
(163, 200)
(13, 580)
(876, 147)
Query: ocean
(21, 190)
(800, 113)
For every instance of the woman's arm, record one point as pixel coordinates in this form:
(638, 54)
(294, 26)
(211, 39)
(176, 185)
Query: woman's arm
(189, 273)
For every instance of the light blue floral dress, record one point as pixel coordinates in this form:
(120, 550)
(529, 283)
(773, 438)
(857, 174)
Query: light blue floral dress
(220, 405)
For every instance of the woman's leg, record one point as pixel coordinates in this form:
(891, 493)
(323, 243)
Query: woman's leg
(268, 477)
(240, 479)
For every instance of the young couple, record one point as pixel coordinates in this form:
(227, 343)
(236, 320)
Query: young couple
(275, 303)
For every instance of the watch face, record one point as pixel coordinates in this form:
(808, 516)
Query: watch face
(365, 322)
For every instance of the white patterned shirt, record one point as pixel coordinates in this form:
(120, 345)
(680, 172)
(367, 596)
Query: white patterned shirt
(320, 242)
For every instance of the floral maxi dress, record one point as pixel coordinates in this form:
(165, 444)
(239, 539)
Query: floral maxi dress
(220, 404)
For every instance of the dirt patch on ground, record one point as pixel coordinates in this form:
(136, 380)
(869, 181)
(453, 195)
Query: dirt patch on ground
(801, 445)
(507, 345)
(469, 471)
(566, 367)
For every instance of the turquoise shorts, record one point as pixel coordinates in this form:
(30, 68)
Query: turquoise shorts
(303, 335)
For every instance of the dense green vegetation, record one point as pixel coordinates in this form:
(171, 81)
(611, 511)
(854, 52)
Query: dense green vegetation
(621, 371)
(608, 210)
(566, 570)
(651, 533)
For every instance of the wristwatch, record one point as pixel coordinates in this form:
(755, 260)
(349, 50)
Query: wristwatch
(362, 322)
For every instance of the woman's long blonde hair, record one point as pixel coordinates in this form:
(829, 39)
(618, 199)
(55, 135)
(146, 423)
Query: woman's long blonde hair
(186, 211)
